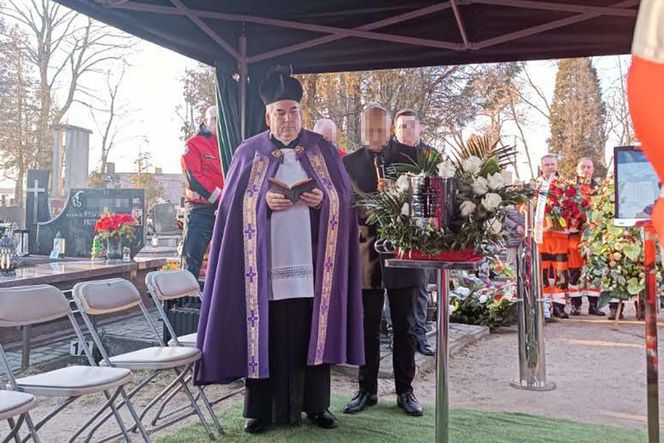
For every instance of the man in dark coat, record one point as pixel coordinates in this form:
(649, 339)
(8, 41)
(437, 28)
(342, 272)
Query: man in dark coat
(282, 294)
(407, 131)
(364, 168)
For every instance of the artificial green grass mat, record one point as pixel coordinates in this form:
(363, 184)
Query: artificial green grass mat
(385, 422)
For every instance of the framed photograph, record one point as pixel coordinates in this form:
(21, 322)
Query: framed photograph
(637, 186)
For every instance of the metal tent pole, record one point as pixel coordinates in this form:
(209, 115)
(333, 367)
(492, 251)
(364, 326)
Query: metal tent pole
(242, 68)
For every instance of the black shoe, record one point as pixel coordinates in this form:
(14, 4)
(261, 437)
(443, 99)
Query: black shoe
(255, 425)
(425, 348)
(408, 402)
(559, 310)
(360, 402)
(593, 309)
(325, 420)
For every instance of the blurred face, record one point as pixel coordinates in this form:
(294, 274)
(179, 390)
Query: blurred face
(284, 119)
(549, 166)
(407, 130)
(585, 169)
(329, 133)
(211, 122)
(375, 130)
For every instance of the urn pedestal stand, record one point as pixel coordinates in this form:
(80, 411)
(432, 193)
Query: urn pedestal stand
(442, 350)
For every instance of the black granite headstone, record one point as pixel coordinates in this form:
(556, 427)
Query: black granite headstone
(83, 208)
(36, 201)
(163, 219)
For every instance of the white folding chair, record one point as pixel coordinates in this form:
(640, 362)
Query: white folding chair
(172, 285)
(16, 404)
(117, 295)
(29, 305)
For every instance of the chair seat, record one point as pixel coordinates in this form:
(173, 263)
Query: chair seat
(185, 340)
(14, 403)
(157, 357)
(74, 381)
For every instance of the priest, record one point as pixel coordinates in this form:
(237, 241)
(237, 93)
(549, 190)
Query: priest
(282, 298)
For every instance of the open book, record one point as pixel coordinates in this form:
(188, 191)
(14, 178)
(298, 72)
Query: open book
(294, 190)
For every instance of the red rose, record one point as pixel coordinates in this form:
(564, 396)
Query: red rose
(571, 191)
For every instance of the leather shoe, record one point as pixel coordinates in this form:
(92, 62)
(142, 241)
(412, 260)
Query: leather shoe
(325, 420)
(255, 425)
(408, 402)
(425, 348)
(360, 402)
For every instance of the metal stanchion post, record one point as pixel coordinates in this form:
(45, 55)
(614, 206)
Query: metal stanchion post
(442, 353)
(530, 316)
(652, 376)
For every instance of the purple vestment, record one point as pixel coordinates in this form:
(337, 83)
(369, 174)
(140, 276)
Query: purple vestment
(233, 327)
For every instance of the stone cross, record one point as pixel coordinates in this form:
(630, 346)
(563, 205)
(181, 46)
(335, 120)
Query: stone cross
(36, 190)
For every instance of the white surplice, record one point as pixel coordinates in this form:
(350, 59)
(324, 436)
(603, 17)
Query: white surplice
(291, 266)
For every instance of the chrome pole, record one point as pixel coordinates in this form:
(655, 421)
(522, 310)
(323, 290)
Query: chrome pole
(442, 351)
(530, 315)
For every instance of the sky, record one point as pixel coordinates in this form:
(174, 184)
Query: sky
(152, 88)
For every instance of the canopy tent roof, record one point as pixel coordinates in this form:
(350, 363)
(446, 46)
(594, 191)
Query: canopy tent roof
(348, 35)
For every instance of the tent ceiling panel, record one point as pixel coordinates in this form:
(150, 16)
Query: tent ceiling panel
(346, 35)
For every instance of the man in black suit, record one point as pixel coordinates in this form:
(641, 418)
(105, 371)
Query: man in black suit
(407, 131)
(364, 167)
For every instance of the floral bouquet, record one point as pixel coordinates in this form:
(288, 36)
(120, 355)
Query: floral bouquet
(615, 254)
(115, 225)
(566, 206)
(471, 302)
(483, 191)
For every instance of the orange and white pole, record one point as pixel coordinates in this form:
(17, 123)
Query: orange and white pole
(645, 90)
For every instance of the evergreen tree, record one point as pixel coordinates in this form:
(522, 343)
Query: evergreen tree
(578, 116)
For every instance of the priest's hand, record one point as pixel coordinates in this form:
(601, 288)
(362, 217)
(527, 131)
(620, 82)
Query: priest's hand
(277, 202)
(312, 199)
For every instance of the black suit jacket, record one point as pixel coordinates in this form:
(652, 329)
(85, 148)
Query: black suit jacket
(360, 167)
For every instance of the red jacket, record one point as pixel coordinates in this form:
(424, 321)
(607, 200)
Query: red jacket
(202, 168)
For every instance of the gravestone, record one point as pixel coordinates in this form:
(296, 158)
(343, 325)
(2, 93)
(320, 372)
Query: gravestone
(36, 202)
(163, 219)
(83, 208)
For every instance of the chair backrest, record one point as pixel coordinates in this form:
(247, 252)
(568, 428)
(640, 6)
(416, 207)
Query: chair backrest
(106, 296)
(171, 285)
(27, 305)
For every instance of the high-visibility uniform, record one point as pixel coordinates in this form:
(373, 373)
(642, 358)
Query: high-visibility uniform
(554, 255)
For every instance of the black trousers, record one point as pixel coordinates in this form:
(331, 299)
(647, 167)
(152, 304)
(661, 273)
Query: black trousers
(293, 387)
(403, 321)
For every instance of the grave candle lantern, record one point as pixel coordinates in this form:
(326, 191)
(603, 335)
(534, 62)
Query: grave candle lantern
(9, 259)
(59, 244)
(22, 239)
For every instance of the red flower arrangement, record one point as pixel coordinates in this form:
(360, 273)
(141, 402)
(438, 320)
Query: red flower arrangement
(115, 225)
(566, 205)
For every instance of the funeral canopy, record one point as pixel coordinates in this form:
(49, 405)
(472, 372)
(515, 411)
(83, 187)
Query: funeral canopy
(346, 35)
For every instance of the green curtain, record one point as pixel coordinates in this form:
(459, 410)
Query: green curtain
(228, 123)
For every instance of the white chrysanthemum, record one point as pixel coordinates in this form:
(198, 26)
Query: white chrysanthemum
(403, 183)
(472, 164)
(467, 208)
(495, 181)
(446, 169)
(480, 186)
(491, 201)
(493, 226)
